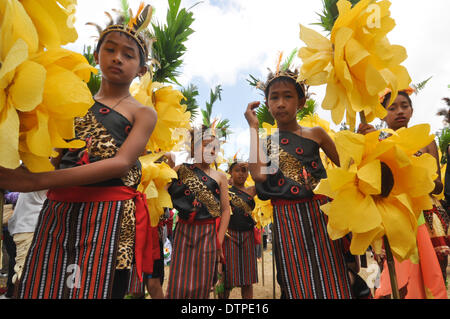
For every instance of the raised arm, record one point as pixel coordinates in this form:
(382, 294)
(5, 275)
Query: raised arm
(258, 158)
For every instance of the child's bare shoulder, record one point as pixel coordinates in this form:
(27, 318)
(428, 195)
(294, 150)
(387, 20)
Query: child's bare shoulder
(138, 110)
(316, 133)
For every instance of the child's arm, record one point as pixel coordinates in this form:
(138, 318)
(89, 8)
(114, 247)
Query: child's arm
(226, 210)
(116, 167)
(327, 145)
(256, 152)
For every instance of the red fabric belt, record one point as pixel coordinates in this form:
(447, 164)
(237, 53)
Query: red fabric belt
(278, 202)
(146, 242)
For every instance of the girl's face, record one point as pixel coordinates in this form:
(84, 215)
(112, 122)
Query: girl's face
(119, 58)
(399, 113)
(206, 151)
(239, 174)
(283, 102)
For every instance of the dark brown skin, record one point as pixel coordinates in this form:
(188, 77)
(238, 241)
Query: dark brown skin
(399, 115)
(283, 103)
(120, 64)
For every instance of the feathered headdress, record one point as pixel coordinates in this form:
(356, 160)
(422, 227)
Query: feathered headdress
(281, 70)
(133, 25)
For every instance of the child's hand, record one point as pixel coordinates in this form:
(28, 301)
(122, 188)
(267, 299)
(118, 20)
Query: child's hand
(16, 180)
(250, 115)
(365, 129)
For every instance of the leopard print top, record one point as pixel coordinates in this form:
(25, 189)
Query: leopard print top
(102, 130)
(295, 167)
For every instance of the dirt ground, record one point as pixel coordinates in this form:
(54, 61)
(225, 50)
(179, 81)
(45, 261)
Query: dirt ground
(265, 289)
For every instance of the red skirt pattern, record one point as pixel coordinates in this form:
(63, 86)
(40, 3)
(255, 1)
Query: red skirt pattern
(73, 252)
(193, 261)
(240, 256)
(312, 266)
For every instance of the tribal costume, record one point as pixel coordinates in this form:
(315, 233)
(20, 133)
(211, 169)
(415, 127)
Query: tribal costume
(196, 196)
(239, 247)
(84, 234)
(311, 264)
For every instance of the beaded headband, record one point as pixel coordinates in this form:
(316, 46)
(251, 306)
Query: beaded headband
(133, 26)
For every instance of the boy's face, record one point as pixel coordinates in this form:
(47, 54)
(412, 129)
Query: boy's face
(283, 102)
(399, 113)
(119, 58)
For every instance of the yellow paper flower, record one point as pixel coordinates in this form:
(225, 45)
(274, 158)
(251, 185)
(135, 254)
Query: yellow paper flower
(16, 24)
(263, 212)
(53, 20)
(172, 115)
(360, 206)
(155, 177)
(358, 62)
(21, 89)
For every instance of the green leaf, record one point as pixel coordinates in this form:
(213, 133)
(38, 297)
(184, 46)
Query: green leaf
(169, 47)
(190, 93)
(96, 79)
(330, 13)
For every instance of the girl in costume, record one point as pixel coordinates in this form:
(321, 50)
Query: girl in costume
(286, 171)
(200, 195)
(412, 277)
(95, 225)
(241, 268)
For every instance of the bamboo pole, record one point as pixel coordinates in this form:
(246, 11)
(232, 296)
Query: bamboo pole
(389, 256)
(273, 270)
(262, 257)
(2, 203)
(391, 268)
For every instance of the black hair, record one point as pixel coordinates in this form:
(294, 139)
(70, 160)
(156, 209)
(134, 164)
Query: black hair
(142, 59)
(285, 79)
(232, 165)
(387, 99)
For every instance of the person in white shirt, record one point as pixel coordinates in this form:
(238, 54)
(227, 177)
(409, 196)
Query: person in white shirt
(22, 224)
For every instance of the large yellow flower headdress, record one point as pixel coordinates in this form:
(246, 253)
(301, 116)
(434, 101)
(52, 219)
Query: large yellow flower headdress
(357, 63)
(380, 189)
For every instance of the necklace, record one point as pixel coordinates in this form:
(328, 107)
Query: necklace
(120, 101)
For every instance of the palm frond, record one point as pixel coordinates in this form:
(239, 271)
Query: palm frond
(288, 61)
(169, 47)
(125, 7)
(96, 79)
(330, 13)
(264, 115)
(421, 85)
(190, 94)
(309, 109)
(444, 140)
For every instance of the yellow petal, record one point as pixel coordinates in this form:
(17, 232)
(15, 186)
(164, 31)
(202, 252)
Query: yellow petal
(9, 135)
(16, 24)
(28, 88)
(370, 178)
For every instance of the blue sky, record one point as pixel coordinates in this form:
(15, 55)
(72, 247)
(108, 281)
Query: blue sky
(235, 38)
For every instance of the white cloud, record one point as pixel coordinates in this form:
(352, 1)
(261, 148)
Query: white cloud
(234, 37)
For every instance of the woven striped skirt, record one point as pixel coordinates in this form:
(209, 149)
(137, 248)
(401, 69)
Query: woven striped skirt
(311, 265)
(73, 253)
(193, 262)
(240, 256)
